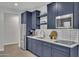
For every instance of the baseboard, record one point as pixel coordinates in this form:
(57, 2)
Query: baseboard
(2, 48)
(11, 43)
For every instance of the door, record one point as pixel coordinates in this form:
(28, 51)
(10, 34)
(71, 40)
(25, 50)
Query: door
(11, 28)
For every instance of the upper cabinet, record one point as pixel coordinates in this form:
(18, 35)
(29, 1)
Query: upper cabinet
(23, 18)
(36, 20)
(51, 14)
(64, 8)
(76, 15)
(63, 15)
(31, 18)
(26, 18)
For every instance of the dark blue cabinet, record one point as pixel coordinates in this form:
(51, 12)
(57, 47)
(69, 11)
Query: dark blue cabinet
(23, 18)
(46, 49)
(61, 51)
(30, 44)
(39, 48)
(36, 47)
(74, 52)
(26, 18)
(76, 15)
(28, 22)
(35, 19)
(58, 53)
(64, 8)
(51, 14)
(33, 43)
(57, 9)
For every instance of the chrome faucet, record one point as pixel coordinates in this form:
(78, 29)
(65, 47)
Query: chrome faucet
(43, 33)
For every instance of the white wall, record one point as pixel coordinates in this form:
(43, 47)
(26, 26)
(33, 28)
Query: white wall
(42, 9)
(12, 28)
(1, 32)
(9, 27)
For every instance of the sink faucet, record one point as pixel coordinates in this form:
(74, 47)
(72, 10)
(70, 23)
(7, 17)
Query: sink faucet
(43, 33)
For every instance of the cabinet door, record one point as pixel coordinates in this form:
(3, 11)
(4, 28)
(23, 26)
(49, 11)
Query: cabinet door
(29, 22)
(59, 53)
(29, 44)
(52, 12)
(39, 48)
(23, 18)
(33, 43)
(74, 52)
(35, 19)
(46, 50)
(76, 15)
(64, 8)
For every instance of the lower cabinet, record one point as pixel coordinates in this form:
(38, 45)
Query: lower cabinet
(34, 46)
(39, 48)
(29, 44)
(46, 49)
(61, 51)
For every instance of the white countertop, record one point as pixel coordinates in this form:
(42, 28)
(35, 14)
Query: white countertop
(53, 42)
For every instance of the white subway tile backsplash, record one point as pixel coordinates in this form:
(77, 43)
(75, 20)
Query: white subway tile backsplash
(74, 35)
(63, 34)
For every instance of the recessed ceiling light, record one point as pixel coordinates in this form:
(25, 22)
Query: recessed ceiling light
(16, 4)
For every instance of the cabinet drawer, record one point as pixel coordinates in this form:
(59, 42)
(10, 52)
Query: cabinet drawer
(58, 53)
(61, 48)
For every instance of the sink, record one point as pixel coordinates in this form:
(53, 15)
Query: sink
(41, 37)
(65, 42)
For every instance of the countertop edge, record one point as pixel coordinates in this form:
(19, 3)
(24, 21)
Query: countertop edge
(49, 41)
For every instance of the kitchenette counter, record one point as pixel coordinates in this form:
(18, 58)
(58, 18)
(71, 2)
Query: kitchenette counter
(69, 44)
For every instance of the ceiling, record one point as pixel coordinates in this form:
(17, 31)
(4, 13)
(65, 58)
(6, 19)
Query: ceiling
(22, 6)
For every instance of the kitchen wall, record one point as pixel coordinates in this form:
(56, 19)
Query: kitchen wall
(1, 32)
(63, 34)
(42, 9)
